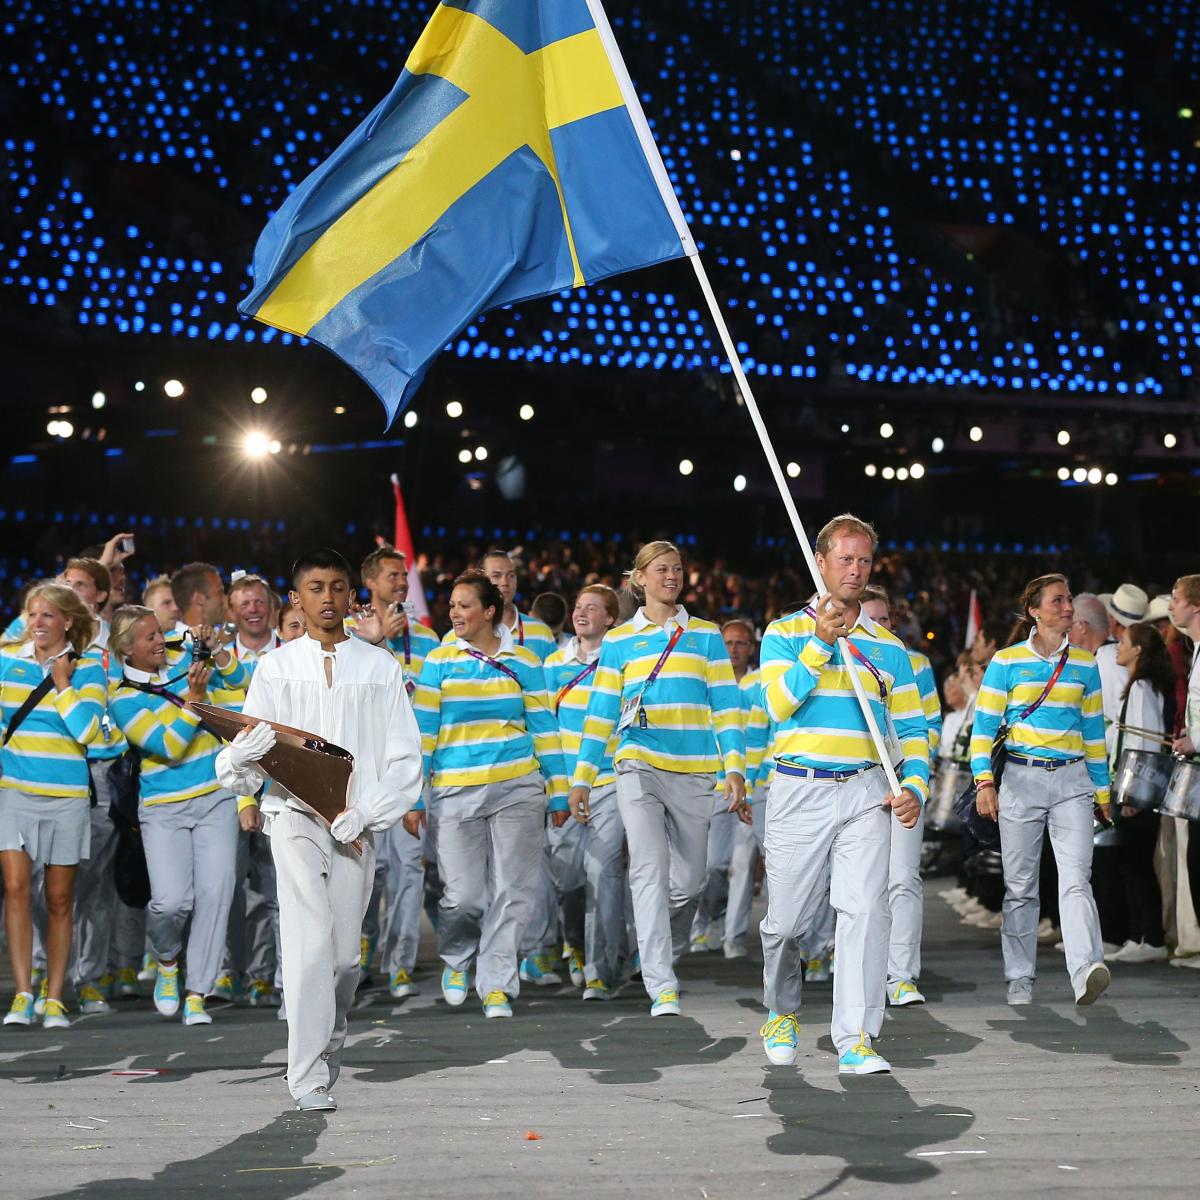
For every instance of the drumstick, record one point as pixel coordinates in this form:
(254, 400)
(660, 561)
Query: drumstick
(1150, 735)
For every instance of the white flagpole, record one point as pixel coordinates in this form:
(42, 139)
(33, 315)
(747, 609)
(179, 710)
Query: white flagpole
(658, 169)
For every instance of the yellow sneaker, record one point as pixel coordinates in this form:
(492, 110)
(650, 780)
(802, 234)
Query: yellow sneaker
(401, 985)
(194, 1012)
(21, 1012)
(127, 982)
(225, 988)
(55, 1015)
(43, 992)
(105, 984)
(495, 1004)
(91, 1000)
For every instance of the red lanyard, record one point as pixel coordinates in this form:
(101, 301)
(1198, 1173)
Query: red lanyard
(562, 695)
(492, 662)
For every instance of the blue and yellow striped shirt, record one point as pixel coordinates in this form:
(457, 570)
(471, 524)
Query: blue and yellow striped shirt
(47, 755)
(931, 702)
(480, 726)
(178, 756)
(561, 668)
(809, 697)
(756, 727)
(693, 711)
(1069, 723)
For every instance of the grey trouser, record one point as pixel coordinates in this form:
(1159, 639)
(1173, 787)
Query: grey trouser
(129, 936)
(605, 939)
(666, 815)
(825, 834)
(95, 886)
(253, 945)
(747, 845)
(191, 853)
(323, 889)
(489, 847)
(560, 902)
(1033, 800)
(714, 899)
(906, 899)
(404, 855)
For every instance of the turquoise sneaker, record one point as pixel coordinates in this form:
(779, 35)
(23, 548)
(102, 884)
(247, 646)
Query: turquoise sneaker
(454, 986)
(596, 989)
(539, 970)
(401, 986)
(860, 1059)
(667, 1005)
(904, 993)
(495, 1004)
(816, 970)
(194, 1012)
(21, 1012)
(166, 990)
(779, 1036)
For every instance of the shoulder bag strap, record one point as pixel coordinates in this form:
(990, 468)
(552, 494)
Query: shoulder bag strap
(31, 702)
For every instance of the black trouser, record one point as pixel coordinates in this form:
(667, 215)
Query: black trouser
(1110, 894)
(1135, 860)
(1193, 863)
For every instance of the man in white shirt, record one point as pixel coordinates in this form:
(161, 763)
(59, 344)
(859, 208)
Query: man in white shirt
(352, 695)
(1091, 632)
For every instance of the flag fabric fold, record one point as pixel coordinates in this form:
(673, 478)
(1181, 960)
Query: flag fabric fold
(510, 160)
(404, 543)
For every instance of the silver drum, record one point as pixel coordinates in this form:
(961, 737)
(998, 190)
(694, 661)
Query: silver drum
(949, 783)
(1183, 794)
(1142, 778)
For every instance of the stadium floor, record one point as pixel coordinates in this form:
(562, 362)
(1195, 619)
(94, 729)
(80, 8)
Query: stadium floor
(985, 1100)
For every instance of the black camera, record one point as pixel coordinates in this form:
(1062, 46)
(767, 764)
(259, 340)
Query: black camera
(201, 652)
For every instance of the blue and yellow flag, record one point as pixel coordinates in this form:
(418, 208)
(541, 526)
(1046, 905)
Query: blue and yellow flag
(511, 160)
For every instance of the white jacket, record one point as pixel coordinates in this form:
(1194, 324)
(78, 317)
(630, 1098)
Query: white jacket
(366, 711)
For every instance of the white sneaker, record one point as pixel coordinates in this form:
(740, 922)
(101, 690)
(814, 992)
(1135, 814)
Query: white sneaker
(1098, 978)
(954, 895)
(1109, 947)
(735, 950)
(1115, 955)
(1138, 952)
(1191, 963)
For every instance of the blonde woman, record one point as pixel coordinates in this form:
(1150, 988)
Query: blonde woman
(665, 686)
(52, 701)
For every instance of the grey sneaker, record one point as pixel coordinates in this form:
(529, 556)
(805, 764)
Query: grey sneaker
(1020, 991)
(318, 1100)
(1097, 978)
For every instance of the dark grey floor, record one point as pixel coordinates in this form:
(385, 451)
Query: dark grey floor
(985, 1100)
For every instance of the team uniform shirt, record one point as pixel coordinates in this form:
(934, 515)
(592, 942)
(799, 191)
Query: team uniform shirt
(692, 711)
(809, 696)
(410, 649)
(366, 711)
(528, 632)
(569, 675)
(756, 728)
(1068, 724)
(178, 755)
(930, 704)
(479, 725)
(47, 754)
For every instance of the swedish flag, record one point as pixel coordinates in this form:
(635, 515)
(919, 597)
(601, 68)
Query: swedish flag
(510, 160)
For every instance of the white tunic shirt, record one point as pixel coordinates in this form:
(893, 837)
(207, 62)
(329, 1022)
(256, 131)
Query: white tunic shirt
(1113, 678)
(366, 711)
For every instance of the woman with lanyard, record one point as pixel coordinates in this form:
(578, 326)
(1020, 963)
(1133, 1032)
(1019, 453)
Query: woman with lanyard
(1044, 695)
(666, 687)
(493, 758)
(52, 702)
(1147, 703)
(569, 675)
(189, 823)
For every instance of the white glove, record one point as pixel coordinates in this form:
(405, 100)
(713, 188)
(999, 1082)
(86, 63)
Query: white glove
(250, 745)
(348, 825)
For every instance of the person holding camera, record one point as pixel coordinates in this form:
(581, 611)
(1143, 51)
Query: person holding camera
(189, 822)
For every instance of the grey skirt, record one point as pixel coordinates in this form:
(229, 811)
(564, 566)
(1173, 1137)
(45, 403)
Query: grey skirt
(54, 832)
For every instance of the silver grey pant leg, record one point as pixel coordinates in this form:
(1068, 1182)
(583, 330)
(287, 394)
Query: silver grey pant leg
(567, 873)
(129, 937)
(95, 894)
(461, 837)
(605, 938)
(541, 931)
(372, 920)
(323, 892)
(262, 911)
(906, 899)
(1031, 801)
(747, 847)
(714, 899)
(406, 892)
(666, 817)
(817, 940)
(858, 894)
(236, 944)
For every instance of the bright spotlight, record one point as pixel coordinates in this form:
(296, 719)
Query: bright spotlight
(739, 483)
(1170, 441)
(1095, 475)
(480, 453)
(686, 466)
(525, 412)
(889, 472)
(937, 445)
(99, 399)
(1064, 437)
(1111, 478)
(139, 386)
(258, 395)
(870, 470)
(1079, 474)
(902, 474)
(735, 154)
(976, 434)
(454, 409)
(917, 470)
(256, 444)
(845, 428)
(173, 388)
(886, 430)
(1064, 473)
(793, 470)
(275, 445)
(339, 410)
(410, 419)
(464, 456)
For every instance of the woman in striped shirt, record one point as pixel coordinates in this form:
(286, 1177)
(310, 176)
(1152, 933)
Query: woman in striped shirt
(666, 686)
(493, 757)
(44, 810)
(1045, 693)
(189, 822)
